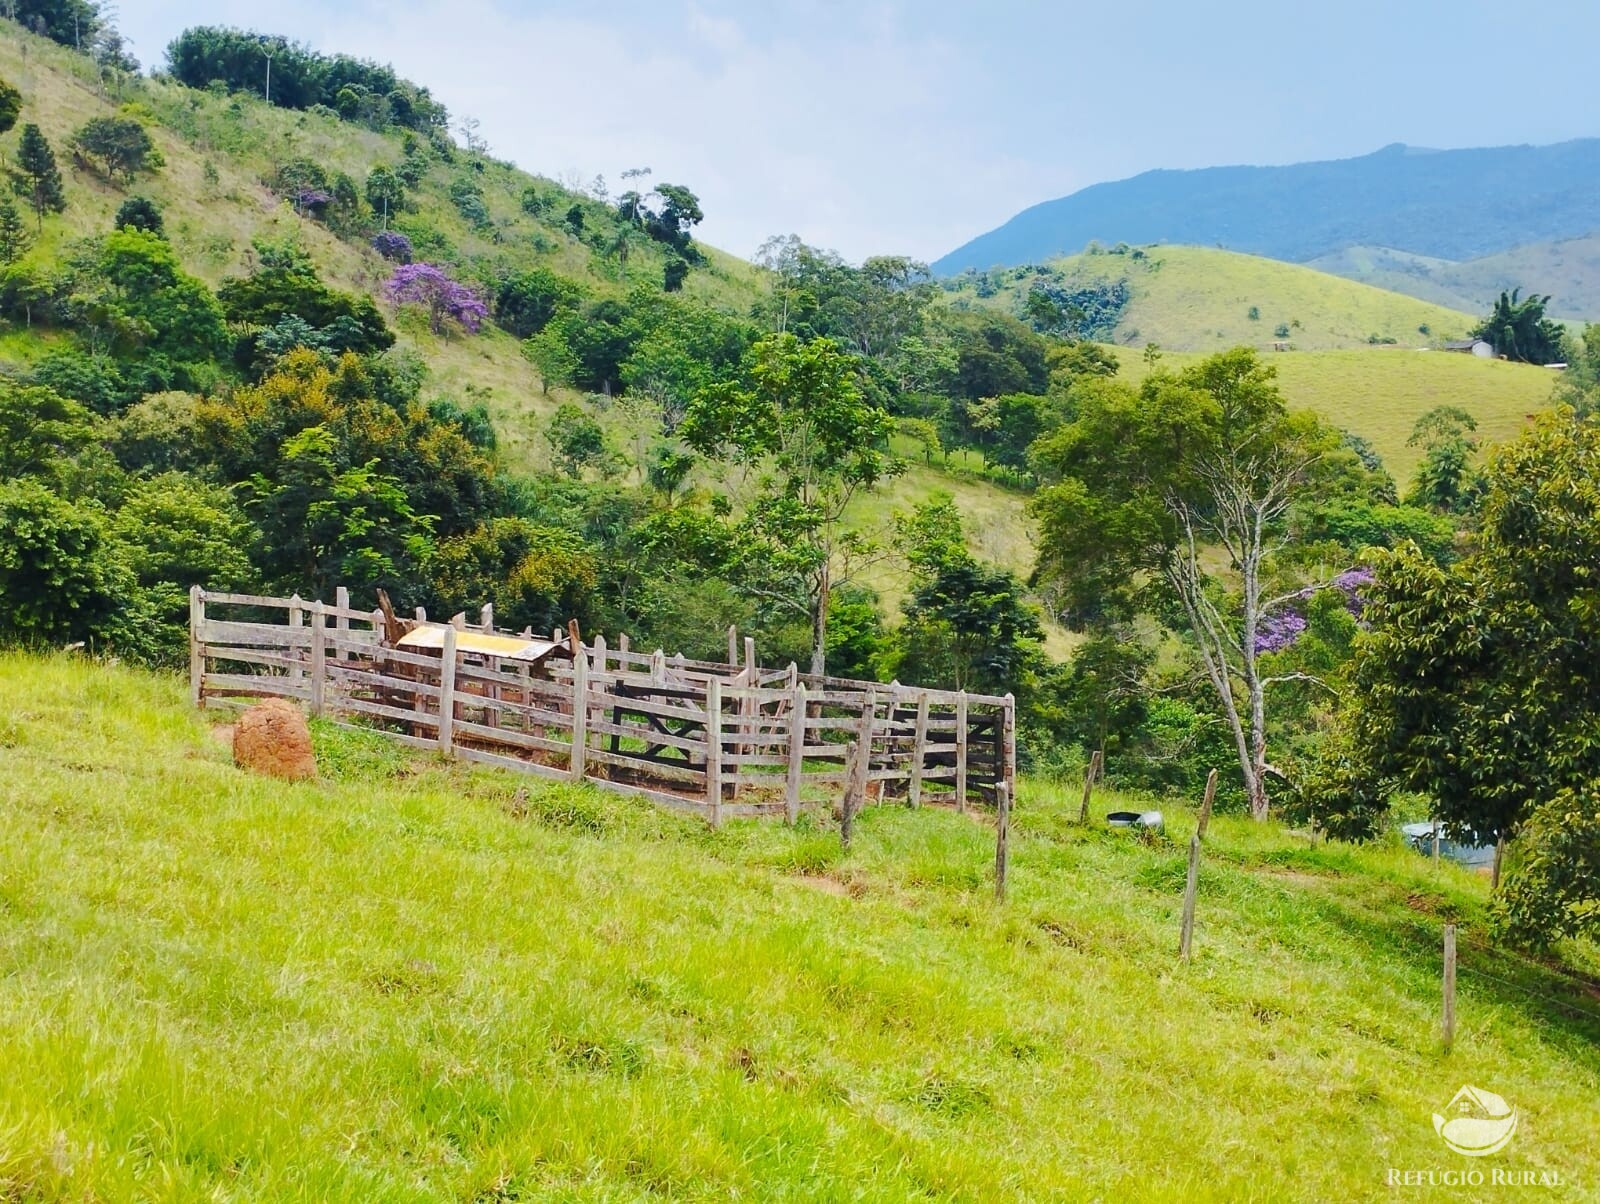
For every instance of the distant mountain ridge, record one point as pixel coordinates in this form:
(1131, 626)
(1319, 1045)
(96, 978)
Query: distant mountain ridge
(1440, 204)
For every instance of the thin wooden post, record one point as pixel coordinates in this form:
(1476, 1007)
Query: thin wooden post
(714, 750)
(1499, 854)
(341, 620)
(1205, 807)
(197, 648)
(459, 620)
(919, 750)
(1008, 745)
(847, 809)
(961, 751)
(1436, 844)
(863, 767)
(1449, 1019)
(733, 644)
(486, 618)
(1091, 771)
(600, 654)
(580, 715)
(1190, 887)
(447, 692)
(421, 613)
(623, 645)
(797, 753)
(297, 618)
(658, 666)
(319, 654)
(1002, 837)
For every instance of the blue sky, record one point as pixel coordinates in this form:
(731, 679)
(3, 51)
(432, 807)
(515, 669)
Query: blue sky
(909, 128)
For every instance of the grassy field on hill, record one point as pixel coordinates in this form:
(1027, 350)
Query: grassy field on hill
(1567, 269)
(1379, 393)
(400, 984)
(1200, 298)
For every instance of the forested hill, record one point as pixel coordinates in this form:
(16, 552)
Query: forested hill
(1447, 204)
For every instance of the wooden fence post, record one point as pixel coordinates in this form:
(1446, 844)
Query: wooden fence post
(1091, 771)
(919, 749)
(421, 614)
(847, 810)
(1008, 746)
(486, 618)
(797, 753)
(1499, 855)
(624, 646)
(580, 715)
(733, 644)
(862, 770)
(341, 621)
(447, 692)
(1002, 837)
(1192, 884)
(961, 751)
(1205, 807)
(319, 654)
(714, 750)
(197, 648)
(658, 666)
(297, 618)
(1449, 1020)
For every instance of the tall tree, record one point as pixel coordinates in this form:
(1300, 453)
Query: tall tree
(10, 106)
(800, 422)
(14, 236)
(1518, 329)
(1477, 684)
(1149, 486)
(36, 176)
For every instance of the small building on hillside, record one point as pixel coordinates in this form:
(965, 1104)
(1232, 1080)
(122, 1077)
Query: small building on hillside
(1478, 347)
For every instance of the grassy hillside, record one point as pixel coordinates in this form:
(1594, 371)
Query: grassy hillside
(401, 984)
(1200, 298)
(1567, 270)
(212, 217)
(1379, 393)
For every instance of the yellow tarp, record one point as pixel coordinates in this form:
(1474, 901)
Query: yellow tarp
(509, 647)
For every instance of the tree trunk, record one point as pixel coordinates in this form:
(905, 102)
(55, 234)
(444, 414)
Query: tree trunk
(819, 623)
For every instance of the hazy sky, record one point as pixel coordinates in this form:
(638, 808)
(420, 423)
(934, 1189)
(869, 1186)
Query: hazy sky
(911, 127)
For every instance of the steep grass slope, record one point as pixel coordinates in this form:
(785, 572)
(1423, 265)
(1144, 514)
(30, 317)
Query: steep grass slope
(405, 983)
(1200, 298)
(219, 150)
(1379, 393)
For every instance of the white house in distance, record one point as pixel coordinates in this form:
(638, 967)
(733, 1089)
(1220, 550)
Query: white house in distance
(1477, 347)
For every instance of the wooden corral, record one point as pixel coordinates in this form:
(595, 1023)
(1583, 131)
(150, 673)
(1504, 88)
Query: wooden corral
(715, 739)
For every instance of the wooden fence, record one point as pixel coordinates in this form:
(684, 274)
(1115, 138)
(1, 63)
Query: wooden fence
(717, 739)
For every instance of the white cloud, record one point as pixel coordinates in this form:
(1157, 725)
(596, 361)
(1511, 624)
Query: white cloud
(852, 137)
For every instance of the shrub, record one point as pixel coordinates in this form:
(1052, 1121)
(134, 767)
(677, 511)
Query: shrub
(393, 246)
(59, 580)
(141, 213)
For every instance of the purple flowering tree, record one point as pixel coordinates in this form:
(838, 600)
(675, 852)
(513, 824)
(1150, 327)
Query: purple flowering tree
(1282, 626)
(448, 302)
(393, 246)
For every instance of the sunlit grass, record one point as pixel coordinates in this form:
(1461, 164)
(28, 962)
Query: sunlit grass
(399, 983)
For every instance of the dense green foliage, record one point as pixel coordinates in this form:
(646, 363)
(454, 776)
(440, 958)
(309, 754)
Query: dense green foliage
(357, 89)
(1475, 685)
(1517, 329)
